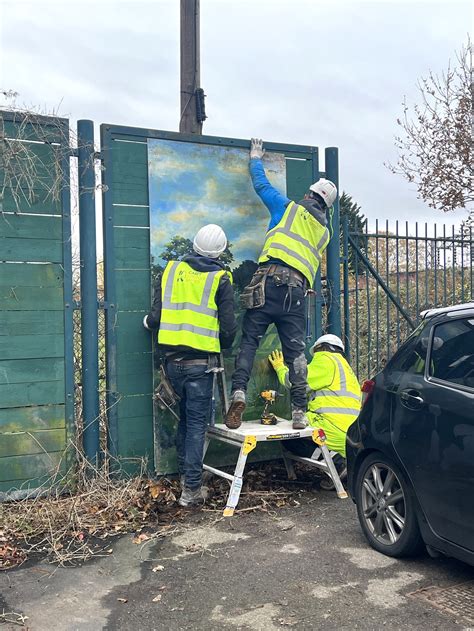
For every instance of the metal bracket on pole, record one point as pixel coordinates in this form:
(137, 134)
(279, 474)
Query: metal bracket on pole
(89, 316)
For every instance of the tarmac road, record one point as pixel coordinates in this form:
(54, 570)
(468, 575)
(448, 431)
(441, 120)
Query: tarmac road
(306, 567)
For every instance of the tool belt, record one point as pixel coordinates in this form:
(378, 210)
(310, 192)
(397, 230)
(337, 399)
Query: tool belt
(253, 296)
(283, 275)
(190, 362)
(165, 395)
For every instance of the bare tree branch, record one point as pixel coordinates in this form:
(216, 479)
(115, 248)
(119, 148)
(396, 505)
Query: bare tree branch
(436, 144)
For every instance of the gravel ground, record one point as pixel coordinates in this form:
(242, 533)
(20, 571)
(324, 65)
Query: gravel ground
(306, 567)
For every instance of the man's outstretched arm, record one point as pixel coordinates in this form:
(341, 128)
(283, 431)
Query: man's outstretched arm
(273, 199)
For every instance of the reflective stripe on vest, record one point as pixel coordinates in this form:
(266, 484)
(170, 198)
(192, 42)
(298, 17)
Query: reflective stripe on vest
(189, 310)
(298, 240)
(340, 399)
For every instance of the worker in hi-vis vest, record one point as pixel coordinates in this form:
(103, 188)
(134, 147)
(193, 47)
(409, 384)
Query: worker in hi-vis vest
(334, 397)
(193, 311)
(294, 244)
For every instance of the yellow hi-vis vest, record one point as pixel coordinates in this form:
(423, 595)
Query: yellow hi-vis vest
(335, 408)
(298, 240)
(189, 309)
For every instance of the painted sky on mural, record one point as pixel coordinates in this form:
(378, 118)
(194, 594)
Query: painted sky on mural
(191, 185)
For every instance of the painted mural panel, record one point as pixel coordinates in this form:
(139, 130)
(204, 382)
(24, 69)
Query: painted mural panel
(191, 185)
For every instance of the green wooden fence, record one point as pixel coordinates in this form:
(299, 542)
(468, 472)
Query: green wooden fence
(128, 277)
(36, 380)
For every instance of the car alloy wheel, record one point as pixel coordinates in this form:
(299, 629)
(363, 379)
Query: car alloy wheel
(383, 504)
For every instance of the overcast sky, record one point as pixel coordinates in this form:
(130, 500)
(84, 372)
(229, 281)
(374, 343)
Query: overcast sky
(329, 73)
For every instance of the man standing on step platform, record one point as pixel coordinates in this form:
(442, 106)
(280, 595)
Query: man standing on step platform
(193, 311)
(295, 241)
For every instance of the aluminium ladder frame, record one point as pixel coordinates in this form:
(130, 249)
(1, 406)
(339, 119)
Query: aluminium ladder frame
(246, 438)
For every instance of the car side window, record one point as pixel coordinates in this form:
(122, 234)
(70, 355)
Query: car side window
(412, 357)
(452, 352)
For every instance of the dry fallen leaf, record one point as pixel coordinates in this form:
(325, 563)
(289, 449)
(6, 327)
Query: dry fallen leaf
(141, 538)
(156, 599)
(158, 568)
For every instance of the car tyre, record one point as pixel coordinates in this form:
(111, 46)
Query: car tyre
(386, 507)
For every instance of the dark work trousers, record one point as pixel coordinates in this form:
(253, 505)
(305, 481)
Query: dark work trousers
(194, 386)
(289, 319)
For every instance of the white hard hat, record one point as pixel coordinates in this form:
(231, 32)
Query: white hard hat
(329, 338)
(210, 241)
(326, 189)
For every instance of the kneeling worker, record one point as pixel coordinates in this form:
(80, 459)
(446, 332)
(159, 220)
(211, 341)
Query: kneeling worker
(334, 396)
(193, 311)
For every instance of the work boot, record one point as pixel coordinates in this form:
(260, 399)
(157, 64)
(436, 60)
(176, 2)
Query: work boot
(233, 418)
(192, 497)
(299, 418)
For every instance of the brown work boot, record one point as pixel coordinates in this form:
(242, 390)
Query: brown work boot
(233, 418)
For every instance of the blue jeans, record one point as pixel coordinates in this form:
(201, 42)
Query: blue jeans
(194, 386)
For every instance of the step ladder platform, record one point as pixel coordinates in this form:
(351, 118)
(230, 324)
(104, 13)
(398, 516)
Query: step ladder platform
(283, 430)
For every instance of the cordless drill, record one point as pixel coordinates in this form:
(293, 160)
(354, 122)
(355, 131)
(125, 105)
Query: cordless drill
(269, 396)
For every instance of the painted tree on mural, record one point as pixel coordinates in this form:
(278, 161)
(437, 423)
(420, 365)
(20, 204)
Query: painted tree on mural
(435, 142)
(178, 247)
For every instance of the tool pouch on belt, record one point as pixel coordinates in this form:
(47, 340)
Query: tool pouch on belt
(253, 295)
(165, 394)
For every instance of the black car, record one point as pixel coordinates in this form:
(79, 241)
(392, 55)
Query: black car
(410, 454)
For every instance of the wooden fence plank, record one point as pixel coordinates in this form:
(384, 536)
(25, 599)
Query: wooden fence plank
(24, 130)
(15, 298)
(128, 194)
(31, 275)
(40, 250)
(24, 443)
(133, 290)
(15, 395)
(129, 407)
(32, 418)
(30, 370)
(20, 226)
(136, 437)
(31, 346)
(37, 201)
(134, 364)
(31, 323)
(30, 468)
(132, 216)
(130, 153)
(135, 384)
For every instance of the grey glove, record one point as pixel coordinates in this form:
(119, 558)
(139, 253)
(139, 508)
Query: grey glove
(256, 148)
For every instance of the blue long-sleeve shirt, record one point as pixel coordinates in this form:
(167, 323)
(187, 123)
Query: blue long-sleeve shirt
(273, 199)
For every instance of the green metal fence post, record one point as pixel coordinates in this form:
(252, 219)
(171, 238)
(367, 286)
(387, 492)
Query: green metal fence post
(333, 249)
(347, 334)
(89, 316)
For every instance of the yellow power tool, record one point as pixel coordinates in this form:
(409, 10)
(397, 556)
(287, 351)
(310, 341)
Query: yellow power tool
(269, 396)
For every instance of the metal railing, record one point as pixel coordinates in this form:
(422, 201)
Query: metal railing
(391, 275)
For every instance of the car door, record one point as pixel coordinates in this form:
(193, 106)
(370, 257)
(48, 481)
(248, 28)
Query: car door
(432, 426)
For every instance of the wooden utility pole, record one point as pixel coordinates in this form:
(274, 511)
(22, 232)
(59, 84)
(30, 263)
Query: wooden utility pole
(191, 111)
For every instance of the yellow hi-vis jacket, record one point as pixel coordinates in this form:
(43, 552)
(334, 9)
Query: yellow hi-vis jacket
(334, 397)
(298, 240)
(189, 314)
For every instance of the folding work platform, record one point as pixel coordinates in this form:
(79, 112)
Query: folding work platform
(247, 437)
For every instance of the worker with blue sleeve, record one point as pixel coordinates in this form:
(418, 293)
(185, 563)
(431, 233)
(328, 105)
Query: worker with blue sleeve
(295, 241)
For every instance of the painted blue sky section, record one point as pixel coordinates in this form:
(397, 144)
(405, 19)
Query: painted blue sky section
(194, 184)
